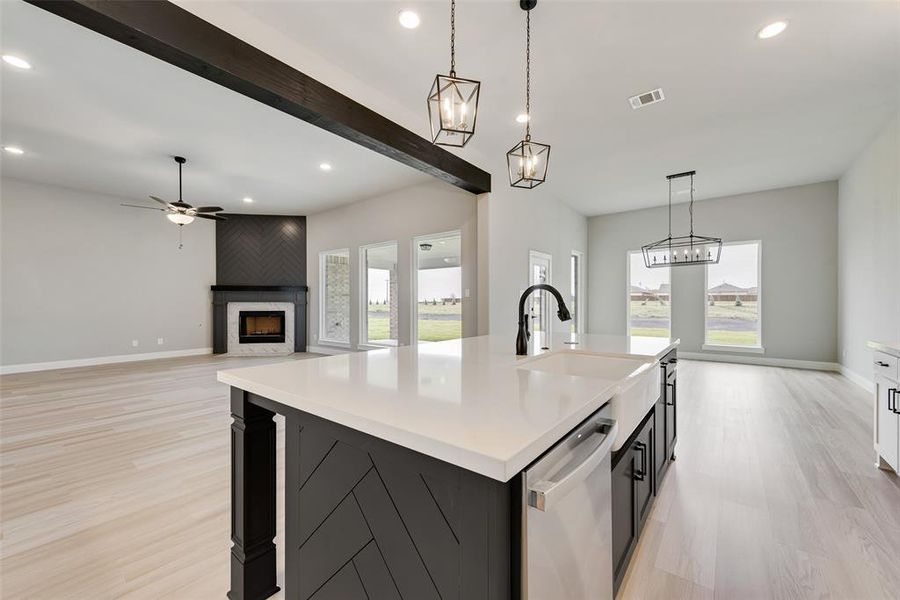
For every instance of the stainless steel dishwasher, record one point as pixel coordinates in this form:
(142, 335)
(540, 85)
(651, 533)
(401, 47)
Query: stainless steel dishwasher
(566, 516)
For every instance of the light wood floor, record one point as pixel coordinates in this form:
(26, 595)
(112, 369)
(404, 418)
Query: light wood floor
(114, 483)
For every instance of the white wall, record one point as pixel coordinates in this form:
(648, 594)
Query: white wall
(434, 207)
(518, 221)
(82, 277)
(798, 230)
(869, 251)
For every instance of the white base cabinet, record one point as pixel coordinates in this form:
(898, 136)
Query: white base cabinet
(887, 411)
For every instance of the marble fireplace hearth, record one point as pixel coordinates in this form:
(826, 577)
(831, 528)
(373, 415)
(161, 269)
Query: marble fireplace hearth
(230, 300)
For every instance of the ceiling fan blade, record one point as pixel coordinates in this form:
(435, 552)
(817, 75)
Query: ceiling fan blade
(203, 209)
(160, 200)
(211, 217)
(181, 204)
(147, 207)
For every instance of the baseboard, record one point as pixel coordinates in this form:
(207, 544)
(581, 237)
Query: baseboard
(99, 360)
(762, 360)
(330, 350)
(864, 383)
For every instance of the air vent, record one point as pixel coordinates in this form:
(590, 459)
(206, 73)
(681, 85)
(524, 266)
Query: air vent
(646, 98)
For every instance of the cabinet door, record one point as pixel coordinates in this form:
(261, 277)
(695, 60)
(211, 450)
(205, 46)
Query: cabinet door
(624, 519)
(887, 428)
(660, 461)
(643, 471)
(671, 416)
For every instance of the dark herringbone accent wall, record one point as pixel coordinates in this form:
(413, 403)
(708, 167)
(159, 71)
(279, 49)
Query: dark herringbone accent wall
(366, 519)
(261, 250)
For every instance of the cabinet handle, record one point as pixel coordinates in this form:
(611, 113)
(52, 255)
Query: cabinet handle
(881, 364)
(641, 473)
(672, 403)
(892, 395)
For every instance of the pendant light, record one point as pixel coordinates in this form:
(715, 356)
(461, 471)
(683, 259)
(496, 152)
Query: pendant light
(527, 161)
(453, 101)
(682, 250)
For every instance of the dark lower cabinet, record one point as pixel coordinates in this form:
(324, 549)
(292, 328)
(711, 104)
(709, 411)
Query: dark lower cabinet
(638, 468)
(666, 433)
(633, 475)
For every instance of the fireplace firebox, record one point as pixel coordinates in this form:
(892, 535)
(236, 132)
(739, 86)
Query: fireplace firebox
(261, 327)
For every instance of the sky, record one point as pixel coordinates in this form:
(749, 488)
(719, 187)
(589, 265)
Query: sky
(433, 283)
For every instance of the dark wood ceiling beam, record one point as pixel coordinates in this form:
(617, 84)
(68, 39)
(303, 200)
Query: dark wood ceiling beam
(170, 33)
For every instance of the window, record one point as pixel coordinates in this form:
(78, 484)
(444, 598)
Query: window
(576, 291)
(334, 299)
(649, 299)
(438, 285)
(732, 298)
(380, 304)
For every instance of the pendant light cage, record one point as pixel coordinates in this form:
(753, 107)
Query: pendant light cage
(453, 101)
(682, 250)
(527, 161)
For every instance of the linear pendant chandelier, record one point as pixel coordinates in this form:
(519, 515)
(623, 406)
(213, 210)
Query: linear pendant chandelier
(682, 250)
(453, 101)
(528, 161)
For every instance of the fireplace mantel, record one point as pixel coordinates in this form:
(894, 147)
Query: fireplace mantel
(223, 294)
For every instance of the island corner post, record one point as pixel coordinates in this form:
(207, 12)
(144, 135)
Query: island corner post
(253, 571)
(378, 520)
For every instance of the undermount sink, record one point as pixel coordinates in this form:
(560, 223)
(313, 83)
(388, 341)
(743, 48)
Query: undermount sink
(638, 382)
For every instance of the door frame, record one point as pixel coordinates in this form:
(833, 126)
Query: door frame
(414, 279)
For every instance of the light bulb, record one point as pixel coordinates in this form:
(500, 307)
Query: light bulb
(447, 113)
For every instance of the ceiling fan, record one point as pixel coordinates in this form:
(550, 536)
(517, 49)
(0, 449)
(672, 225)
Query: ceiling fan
(180, 212)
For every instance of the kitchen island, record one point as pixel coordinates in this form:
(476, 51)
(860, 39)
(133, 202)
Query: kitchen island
(402, 465)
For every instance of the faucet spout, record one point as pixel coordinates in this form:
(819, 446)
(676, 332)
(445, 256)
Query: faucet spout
(562, 312)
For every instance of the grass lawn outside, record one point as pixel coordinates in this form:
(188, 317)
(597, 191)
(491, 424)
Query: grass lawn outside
(650, 331)
(436, 322)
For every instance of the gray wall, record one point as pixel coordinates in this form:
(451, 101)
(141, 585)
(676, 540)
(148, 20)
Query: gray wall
(798, 230)
(434, 207)
(869, 250)
(522, 220)
(261, 250)
(82, 277)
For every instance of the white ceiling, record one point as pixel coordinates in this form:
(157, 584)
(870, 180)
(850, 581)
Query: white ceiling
(96, 115)
(747, 114)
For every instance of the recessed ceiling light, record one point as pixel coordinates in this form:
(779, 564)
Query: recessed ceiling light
(409, 19)
(13, 150)
(248, 200)
(19, 63)
(522, 118)
(771, 30)
(325, 166)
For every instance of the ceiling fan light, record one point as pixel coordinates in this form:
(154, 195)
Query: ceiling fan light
(180, 218)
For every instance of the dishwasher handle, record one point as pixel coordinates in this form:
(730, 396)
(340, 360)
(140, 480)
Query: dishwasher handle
(542, 495)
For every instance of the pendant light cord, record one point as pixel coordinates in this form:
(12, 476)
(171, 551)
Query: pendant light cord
(670, 211)
(691, 208)
(452, 38)
(528, 74)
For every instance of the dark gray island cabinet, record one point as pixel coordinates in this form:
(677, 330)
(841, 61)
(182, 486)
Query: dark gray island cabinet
(364, 518)
(404, 468)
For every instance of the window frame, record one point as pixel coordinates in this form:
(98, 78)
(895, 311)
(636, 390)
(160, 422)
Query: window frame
(322, 308)
(414, 279)
(579, 291)
(757, 349)
(628, 255)
(363, 279)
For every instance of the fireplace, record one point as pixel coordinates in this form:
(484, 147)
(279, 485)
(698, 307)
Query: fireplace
(261, 327)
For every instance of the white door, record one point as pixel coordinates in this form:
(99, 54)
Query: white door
(540, 271)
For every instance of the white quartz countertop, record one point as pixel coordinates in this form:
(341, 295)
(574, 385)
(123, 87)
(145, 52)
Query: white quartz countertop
(892, 348)
(465, 401)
